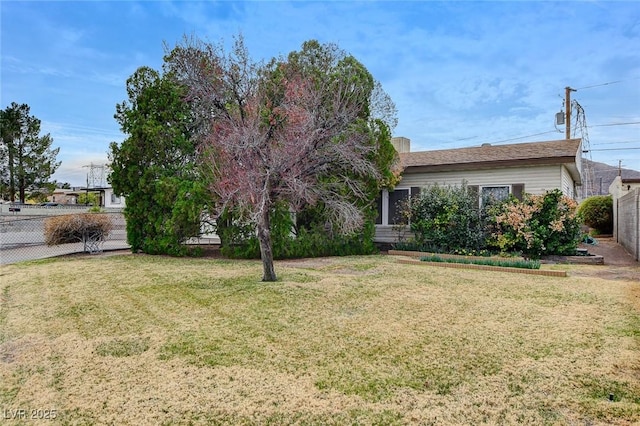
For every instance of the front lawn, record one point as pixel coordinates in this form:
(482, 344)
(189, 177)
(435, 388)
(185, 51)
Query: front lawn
(136, 339)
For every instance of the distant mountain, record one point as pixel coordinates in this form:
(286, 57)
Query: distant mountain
(604, 174)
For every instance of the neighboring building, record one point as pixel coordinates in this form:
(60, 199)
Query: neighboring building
(106, 197)
(626, 213)
(111, 200)
(622, 186)
(64, 196)
(603, 175)
(497, 170)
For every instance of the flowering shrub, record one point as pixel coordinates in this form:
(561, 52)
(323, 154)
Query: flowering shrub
(539, 225)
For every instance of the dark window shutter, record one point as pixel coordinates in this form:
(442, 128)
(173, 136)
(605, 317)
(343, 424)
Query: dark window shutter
(379, 208)
(518, 190)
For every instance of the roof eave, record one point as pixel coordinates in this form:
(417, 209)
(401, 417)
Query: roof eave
(568, 161)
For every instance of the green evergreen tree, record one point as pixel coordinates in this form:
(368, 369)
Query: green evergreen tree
(154, 167)
(26, 158)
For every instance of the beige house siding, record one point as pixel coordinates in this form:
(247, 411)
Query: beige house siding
(537, 179)
(391, 234)
(567, 186)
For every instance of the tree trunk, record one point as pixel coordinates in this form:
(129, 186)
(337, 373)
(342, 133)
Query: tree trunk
(12, 182)
(266, 250)
(21, 180)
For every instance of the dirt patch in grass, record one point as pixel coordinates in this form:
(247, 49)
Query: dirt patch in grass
(634, 296)
(355, 340)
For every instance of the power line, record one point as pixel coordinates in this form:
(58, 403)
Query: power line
(599, 85)
(614, 149)
(607, 84)
(615, 124)
(522, 137)
(616, 143)
(555, 131)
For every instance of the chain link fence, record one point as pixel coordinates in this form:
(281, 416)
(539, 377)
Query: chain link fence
(22, 236)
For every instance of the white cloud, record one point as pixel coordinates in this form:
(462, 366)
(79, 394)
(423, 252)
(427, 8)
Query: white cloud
(460, 73)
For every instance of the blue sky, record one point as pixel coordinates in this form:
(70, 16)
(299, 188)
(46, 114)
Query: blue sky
(461, 73)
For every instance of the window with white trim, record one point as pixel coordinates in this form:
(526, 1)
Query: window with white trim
(389, 204)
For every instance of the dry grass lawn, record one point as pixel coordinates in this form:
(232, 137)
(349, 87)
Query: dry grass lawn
(136, 339)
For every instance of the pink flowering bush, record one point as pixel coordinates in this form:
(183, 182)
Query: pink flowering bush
(539, 225)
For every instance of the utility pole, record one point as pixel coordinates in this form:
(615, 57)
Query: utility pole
(567, 107)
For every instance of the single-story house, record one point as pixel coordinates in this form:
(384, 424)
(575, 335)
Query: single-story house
(106, 196)
(497, 170)
(63, 196)
(622, 186)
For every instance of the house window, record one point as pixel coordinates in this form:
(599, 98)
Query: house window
(396, 201)
(389, 205)
(493, 193)
(115, 199)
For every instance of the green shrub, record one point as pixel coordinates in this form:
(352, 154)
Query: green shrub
(164, 217)
(446, 219)
(524, 264)
(89, 199)
(411, 245)
(75, 228)
(291, 240)
(597, 213)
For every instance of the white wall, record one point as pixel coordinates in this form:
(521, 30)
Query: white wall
(108, 203)
(567, 186)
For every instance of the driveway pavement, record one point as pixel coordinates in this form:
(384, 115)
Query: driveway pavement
(613, 253)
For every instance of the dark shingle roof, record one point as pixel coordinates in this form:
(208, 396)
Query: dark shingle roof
(551, 152)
